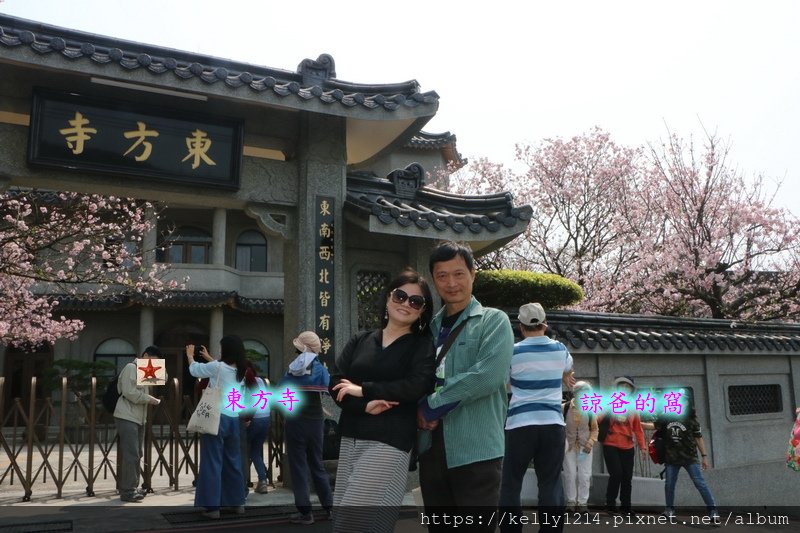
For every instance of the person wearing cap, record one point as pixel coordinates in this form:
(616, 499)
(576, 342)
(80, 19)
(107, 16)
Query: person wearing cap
(622, 432)
(130, 416)
(380, 377)
(535, 428)
(581, 428)
(462, 442)
(304, 427)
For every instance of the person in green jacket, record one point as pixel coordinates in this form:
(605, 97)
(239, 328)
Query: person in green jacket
(461, 448)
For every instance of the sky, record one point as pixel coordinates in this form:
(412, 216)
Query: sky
(511, 71)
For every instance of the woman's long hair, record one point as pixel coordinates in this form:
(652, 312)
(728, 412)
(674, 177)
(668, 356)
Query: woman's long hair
(232, 352)
(411, 276)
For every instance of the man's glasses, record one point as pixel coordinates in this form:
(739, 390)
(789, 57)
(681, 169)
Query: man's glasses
(416, 302)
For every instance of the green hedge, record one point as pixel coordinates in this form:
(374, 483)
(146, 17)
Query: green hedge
(513, 288)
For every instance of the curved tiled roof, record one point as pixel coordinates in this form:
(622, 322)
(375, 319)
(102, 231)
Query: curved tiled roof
(431, 141)
(602, 332)
(315, 79)
(392, 202)
(445, 142)
(170, 300)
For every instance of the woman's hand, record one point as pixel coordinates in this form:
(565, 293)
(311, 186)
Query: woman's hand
(345, 387)
(205, 355)
(376, 407)
(190, 353)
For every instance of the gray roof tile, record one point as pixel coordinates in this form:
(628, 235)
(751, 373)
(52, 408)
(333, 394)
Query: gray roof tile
(314, 80)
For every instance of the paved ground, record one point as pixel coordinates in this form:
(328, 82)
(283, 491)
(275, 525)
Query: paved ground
(170, 511)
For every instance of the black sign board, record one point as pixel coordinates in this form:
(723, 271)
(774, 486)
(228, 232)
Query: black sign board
(81, 132)
(323, 264)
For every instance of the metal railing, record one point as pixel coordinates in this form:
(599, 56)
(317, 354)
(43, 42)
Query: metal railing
(51, 445)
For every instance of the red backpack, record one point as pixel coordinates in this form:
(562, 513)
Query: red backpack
(657, 448)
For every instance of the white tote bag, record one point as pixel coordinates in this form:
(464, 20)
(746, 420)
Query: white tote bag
(205, 418)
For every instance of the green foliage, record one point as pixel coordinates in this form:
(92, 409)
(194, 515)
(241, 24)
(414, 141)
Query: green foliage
(79, 376)
(513, 288)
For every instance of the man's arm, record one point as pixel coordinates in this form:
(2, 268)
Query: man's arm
(701, 446)
(128, 388)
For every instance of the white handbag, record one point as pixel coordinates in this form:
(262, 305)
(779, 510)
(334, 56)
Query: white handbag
(205, 418)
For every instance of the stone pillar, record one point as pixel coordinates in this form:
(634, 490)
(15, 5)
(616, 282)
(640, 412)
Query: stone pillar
(321, 172)
(218, 237)
(215, 330)
(146, 328)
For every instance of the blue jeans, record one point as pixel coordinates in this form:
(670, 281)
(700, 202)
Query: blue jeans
(545, 446)
(220, 482)
(257, 433)
(697, 478)
(304, 450)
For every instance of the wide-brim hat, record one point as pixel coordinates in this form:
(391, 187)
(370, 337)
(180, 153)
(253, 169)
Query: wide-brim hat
(307, 341)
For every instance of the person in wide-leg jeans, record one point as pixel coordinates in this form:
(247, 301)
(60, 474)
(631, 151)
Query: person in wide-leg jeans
(684, 441)
(697, 478)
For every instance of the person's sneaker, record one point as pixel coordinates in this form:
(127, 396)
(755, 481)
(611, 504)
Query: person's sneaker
(262, 487)
(211, 515)
(611, 509)
(328, 514)
(570, 507)
(239, 509)
(715, 519)
(300, 518)
(668, 513)
(583, 508)
(141, 491)
(132, 498)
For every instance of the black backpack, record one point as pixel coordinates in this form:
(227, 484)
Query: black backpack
(111, 395)
(603, 428)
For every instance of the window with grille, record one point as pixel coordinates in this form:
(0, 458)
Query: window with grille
(370, 286)
(754, 399)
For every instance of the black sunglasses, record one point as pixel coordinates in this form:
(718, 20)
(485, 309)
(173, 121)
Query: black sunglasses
(416, 302)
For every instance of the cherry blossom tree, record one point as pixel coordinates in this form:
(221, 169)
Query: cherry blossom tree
(576, 187)
(57, 243)
(669, 229)
(716, 245)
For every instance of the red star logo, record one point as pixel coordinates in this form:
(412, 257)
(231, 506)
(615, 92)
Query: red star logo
(149, 370)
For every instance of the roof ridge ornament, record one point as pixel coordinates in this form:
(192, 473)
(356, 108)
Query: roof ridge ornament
(407, 181)
(316, 72)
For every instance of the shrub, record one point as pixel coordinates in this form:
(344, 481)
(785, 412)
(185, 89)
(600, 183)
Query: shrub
(513, 288)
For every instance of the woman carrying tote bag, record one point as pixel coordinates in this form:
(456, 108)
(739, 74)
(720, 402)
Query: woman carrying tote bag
(220, 482)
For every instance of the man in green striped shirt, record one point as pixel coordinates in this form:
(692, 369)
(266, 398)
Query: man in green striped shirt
(461, 451)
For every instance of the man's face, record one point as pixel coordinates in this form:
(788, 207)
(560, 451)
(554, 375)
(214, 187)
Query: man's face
(453, 281)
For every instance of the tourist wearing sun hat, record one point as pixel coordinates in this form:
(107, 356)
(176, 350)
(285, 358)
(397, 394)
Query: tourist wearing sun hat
(581, 429)
(304, 427)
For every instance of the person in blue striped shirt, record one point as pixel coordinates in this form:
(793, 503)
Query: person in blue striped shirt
(535, 428)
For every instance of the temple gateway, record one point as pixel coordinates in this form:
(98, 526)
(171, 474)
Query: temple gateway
(292, 197)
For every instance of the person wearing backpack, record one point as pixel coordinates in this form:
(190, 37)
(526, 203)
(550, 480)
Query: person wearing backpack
(684, 440)
(303, 428)
(130, 415)
(581, 437)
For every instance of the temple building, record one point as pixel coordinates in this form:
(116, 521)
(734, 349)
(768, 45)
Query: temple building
(317, 193)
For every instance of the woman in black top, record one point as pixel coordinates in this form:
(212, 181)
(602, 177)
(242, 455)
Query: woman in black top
(379, 378)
